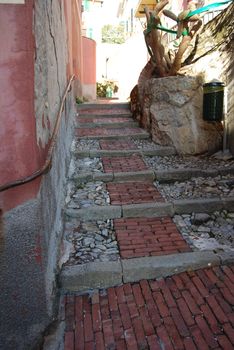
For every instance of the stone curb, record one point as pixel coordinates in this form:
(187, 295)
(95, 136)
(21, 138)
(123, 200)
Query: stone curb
(162, 266)
(147, 210)
(115, 153)
(152, 209)
(94, 275)
(145, 175)
(116, 105)
(124, 114)
(91, 276)
(186, 174)
(96, 212)
(143, 136)
(206, 205)
(107, 125)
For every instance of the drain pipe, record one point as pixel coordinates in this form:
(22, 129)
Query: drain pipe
(48, 162)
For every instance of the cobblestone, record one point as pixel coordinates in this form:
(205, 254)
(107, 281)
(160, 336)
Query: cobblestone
(208, 231)
(198, 187)
(92, 241)
(84, 195)
(145, 144)
(179, 162)
(85, 145)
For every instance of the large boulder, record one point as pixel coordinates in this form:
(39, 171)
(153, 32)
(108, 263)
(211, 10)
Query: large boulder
(173, 114)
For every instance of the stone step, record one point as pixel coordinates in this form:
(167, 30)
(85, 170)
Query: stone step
(99, 106)
(144, 175)
(159, 209)
(114, 125)
(163, 151)
(172, 175)
(119, 136)
(105, 115)
(99, 275)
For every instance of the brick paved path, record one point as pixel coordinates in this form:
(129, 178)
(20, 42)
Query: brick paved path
(186, 311)
(133, 192)
(148, 237)
(124, 164)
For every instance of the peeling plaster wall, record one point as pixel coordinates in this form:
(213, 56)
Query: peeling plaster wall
(32, 227)
(50, 65)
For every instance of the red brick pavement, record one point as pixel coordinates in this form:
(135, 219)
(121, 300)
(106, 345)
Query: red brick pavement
(138, 237)
(189, 311)
(116, 145)
(133, 193)
(108, 131)
(123, 164)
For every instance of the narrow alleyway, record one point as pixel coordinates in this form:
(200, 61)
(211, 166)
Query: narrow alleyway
(148, 242)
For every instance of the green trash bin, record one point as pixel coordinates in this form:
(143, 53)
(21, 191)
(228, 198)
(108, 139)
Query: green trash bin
(213, 96)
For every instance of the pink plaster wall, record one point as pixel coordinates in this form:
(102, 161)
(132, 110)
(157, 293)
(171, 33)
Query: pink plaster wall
(18, 149)
(89, 61)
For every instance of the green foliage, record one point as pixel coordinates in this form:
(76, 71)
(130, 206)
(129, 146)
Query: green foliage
(80, 100)
(113, 34)
(106, 87)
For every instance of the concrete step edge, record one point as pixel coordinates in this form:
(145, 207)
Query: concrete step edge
(98, 275)
(115, 125)
(152, 209)
(172, 175)
(113, 153)
(108, 177)
(143, 135)
(88, 116)
(112, 106)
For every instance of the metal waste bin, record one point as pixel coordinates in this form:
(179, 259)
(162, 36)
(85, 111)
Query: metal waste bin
(213, 96)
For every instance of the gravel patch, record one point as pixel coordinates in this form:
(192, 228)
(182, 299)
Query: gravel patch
(85, 195)
(85, 145)
(180, 162)
(208, 231)
(85, 165)
(91, 241)
(198, 188)
(145, 144)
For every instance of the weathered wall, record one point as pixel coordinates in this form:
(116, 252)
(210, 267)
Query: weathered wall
(89, 74)
(33, 213)
(18, 129)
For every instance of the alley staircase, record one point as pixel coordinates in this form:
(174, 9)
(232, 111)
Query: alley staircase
(123, 240)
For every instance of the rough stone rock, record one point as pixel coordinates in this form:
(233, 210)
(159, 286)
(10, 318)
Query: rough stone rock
(174, 115)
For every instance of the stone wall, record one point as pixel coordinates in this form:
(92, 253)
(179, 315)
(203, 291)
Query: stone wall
(32, 230)
(173, 114)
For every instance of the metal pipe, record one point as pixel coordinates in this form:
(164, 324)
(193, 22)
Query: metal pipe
(48, 162)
